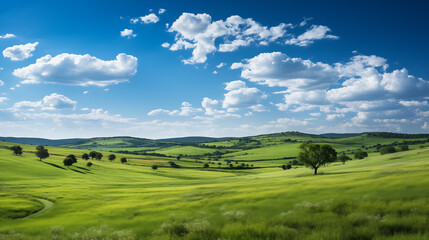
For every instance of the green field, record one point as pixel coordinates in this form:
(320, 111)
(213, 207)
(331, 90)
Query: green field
(379, 197)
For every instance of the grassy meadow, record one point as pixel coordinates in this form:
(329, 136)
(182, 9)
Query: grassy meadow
(379, 197)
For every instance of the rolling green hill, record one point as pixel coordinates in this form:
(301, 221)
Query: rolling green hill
(379, 197)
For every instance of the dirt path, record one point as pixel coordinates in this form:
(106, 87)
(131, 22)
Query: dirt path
(46, 205)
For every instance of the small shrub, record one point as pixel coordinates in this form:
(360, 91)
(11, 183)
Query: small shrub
(154, 167)
(89, 164)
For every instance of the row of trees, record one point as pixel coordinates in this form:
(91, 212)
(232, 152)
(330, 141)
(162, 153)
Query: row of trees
(41, 151)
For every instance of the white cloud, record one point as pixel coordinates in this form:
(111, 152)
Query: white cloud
(211, 108)
(20, 52)
(185, 110)
(220, 65)
(240, 96)
(1, 83)
(289, 122)
(215, 72)
(259, 108)
(7, 35)
(51, 102)
(200, 33)
(316, 32)
(161, 11)
(414, 103)
(165, 45)
(85, 92)
(234, 45)
(128, 33)
(331, 117)
(3, 99)
(150, 18)
(235, 85)
(304, 22)
(315, 114)
(83, 70)
(425, 126)
(278, 70)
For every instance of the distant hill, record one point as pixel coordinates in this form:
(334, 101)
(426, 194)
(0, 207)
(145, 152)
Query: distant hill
(340, 135)
(195, 139)
(39, 141)
(117, 142)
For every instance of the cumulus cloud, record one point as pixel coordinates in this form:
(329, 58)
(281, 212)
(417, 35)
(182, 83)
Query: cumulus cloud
(259, 108)
(331, 117)
(7, 35)
(1, 83)
(200, 33)
(185, 110)
(3, 99)
(279, 70)
(316, 32)
(240, 96)
(82, 70)
(211, 108)
(367, 79)
(150, 18)
(51, 102)
(20, 52)
(128, 33)
(165, 45)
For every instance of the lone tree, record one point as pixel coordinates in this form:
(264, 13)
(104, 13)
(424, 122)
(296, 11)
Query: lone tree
(123, 160)
(42, 152)
(344, 158)
(154, 167)
(69, 160)
(92, 154)
(89, 164)
(361, 155)
(316, 155)
(73, 157)
(17, 150)
(206, 165)
(98, 156)
(179, 157)
(85, 156)
(112, 157)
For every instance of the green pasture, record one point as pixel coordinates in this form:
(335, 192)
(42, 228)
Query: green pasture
(380, 197)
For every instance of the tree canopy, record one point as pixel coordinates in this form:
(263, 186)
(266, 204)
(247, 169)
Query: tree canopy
(17, 150)
(42, 152)
(98, 156)
(112, 157)
(316, 155)
(92, 154)
(361, 154)
(69, 160)
(85, 156)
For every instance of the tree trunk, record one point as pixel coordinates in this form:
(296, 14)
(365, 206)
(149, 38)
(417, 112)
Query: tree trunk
(315, 171)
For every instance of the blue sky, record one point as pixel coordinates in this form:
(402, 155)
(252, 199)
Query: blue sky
(227, 68)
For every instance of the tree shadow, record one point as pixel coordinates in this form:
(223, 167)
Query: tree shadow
(77, 171)
(54, 165)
